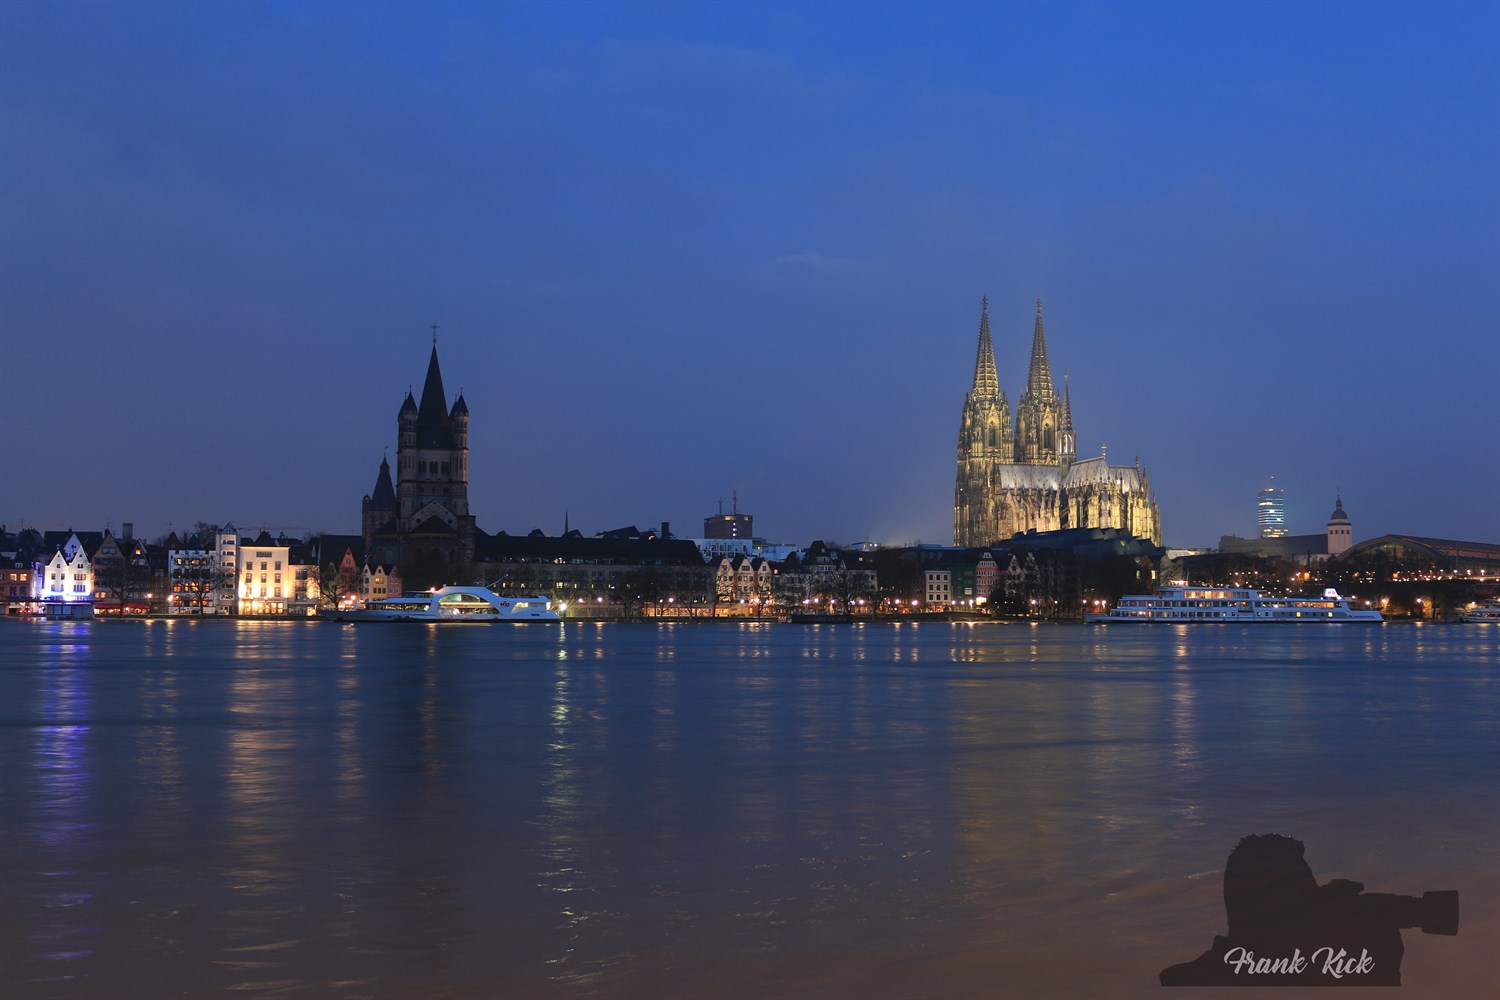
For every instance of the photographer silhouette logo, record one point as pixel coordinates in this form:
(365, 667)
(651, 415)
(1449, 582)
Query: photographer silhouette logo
(1285, 929)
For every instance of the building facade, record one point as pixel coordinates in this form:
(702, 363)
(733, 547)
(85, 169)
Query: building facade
(267, 583)
(68, 575)
(1270, 512)
(1026, 476)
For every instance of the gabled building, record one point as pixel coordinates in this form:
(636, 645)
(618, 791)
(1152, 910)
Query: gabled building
(67, 576)
(824, 576)
(122, 575)
(376, 583)
(742, 580)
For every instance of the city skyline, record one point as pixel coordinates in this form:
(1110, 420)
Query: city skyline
(678, 252)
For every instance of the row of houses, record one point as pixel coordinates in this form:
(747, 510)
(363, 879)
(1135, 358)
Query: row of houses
(622, 573)
(216, 571)
(212, 571)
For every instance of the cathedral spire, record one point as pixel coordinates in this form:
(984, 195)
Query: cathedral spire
(1039, 378)
(986, 378)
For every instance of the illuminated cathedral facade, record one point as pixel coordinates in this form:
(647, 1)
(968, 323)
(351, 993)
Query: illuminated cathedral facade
(1026, 476)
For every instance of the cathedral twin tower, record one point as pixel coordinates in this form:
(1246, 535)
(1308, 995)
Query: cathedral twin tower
(1027, 477)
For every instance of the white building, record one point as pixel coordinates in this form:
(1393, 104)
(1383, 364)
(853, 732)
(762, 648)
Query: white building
(202, 580)
(68, 577)
(939, 587)
(267, 581)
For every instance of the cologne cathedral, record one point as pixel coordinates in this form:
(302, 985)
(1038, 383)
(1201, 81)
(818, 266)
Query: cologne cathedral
(1027, 476)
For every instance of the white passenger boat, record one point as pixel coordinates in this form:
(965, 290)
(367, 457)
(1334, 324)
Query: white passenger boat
(451, 605)
(1484, 614)
(1233, 604)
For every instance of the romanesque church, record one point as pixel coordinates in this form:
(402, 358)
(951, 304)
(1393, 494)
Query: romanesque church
(1026, 476)
(422, 523)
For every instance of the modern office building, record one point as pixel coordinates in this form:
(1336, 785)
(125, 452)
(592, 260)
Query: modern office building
(1270, 511)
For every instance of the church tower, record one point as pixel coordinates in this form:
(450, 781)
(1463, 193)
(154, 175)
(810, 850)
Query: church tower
(984, 438)
(1340, 531)
(378, 511)
(433, 522)
(1039, 415)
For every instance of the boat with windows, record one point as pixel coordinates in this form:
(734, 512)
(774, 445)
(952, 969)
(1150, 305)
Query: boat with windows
(1233, 604)
(1484, 614)
(469, 605)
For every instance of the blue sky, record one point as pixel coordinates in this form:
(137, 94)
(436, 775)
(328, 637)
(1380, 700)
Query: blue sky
(679, 250)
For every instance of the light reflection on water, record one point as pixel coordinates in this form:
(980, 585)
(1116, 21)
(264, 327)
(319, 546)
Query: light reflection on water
(737, 810)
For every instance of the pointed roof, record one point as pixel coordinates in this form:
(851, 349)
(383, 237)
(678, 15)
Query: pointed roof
(1067, 421)
(460, 408)
(1338, 511)
(1039, 378)
(408, 405)
(986, 379)
(433, 427)
(385, 493)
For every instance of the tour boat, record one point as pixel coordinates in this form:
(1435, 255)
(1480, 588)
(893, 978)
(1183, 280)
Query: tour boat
(450, 605)
(1484, 614)
(1233, 604)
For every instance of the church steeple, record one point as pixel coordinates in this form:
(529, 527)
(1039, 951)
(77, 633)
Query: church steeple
(984, 432)
(1069, 443)
(984, 435)
(385, 494)
(1039, 379)
(433, 427)
(986, 377)
(1039, 415)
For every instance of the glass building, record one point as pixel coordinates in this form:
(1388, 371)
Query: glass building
(1270, 512)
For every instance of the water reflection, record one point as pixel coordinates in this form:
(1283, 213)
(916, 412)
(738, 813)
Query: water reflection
(628, 811)
(62, 822)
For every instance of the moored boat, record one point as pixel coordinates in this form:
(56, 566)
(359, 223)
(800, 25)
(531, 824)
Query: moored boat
(1485, 614)
(453, 605)
(1206, 605)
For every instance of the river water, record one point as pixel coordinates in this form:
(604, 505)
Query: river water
(246, 809)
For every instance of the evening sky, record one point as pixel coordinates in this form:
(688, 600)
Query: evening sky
(680, 250)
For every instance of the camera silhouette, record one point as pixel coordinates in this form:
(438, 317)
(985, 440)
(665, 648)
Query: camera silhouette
(1286, 929)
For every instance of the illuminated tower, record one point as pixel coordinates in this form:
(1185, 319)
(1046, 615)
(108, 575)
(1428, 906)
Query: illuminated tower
(1270, 511)
(1039, 414)
(984, 441)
